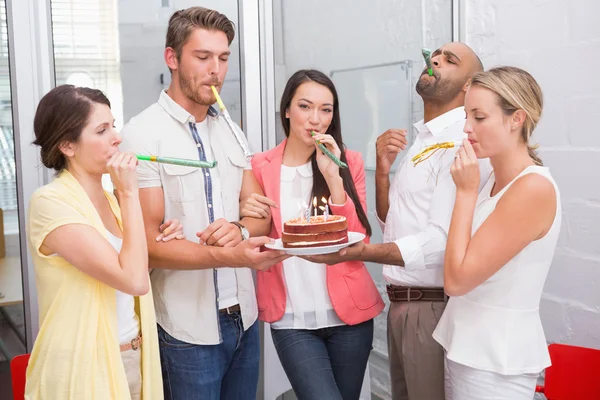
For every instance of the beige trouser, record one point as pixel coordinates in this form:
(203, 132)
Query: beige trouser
(416, 360)
(132, 361)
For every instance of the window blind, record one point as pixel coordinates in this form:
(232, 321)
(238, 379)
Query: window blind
(86, 47)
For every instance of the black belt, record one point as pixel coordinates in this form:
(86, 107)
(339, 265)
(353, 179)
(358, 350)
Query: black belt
(229, 310)
(406, 293)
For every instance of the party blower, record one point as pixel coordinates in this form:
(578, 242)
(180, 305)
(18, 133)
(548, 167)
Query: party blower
(237, 132)
(329, 154)
(177, 161)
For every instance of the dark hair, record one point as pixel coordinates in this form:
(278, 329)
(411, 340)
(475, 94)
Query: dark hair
(320, 188)
(60, 117)
(183, 22)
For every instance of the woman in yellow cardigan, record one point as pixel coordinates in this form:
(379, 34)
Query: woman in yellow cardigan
(97, 337)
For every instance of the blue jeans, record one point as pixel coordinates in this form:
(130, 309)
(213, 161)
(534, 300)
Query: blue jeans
(227, 371)
(326, 363)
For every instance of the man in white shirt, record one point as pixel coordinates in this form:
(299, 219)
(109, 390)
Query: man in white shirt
(417, 208)
(204, 296)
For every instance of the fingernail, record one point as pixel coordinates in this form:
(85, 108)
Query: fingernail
(158, 238)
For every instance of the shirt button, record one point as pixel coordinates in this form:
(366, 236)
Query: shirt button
(207, 174)
(210, 206)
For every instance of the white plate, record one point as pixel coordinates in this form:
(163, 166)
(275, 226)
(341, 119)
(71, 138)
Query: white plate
(353, 237)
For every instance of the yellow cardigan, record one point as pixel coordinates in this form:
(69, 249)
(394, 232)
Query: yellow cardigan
(76, 354)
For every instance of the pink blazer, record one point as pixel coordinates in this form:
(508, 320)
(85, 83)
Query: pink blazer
(351, 289)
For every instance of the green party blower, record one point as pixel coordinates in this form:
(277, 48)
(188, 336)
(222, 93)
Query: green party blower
(427, 56)
(329, 154)
(178, 161)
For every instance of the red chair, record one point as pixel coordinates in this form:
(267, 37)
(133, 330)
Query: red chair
(574, 374)
(18, 366)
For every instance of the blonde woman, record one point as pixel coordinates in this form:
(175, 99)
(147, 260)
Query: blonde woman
(97, 337)
(500, 245)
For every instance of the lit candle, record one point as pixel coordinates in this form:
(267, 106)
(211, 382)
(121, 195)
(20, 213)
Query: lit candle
(315, 205)
(326, 208)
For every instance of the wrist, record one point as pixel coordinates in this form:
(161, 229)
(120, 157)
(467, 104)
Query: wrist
(381, 171)
(243, 230)
(128, 194)
(365, 254)
(223, 256)
(381, 174)
(335, 183)
(466, 194)
(333, 180)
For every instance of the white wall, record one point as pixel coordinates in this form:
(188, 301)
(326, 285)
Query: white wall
(558, 42)
(142, 31)
(322, 35)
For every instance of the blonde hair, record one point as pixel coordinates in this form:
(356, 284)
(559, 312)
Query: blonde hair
(183, 22)
(516, 90)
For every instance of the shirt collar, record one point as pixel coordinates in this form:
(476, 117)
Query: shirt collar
(438, 125)
(288, 174)
(178, 112)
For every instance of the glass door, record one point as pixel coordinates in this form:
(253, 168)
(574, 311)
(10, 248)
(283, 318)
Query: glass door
(12, 313)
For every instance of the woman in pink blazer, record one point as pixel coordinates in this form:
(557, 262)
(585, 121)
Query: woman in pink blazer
(321, 315)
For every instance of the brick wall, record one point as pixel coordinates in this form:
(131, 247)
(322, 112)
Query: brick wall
(558, 42)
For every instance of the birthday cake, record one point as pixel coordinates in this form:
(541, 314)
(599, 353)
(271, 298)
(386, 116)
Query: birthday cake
(316, 231)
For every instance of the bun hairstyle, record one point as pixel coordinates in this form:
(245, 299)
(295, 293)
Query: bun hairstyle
(516, 90)
(60, 117)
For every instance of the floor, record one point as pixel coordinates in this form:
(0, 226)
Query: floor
(15, 347)
(13, 343)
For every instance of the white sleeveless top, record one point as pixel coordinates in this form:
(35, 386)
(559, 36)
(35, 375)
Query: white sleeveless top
(496, 327)
(128, 321)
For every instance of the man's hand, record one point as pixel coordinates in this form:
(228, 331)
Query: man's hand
(220, 233)
(388, 145)
(351, 253)
(249, 254)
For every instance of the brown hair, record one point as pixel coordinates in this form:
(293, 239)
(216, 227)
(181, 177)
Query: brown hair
(61, 116)
(183, 22)
(515, 89)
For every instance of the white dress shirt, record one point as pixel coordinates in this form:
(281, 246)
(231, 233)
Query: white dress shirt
(421, 201)
(308, 305)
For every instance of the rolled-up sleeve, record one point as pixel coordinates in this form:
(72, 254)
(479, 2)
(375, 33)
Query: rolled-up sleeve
(424, 250)
(427, 248)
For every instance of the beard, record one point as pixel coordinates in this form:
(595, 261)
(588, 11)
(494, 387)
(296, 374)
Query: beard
(193, 89)
(440, 90)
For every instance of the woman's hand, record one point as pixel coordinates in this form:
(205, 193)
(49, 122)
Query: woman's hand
(465, 169)
(256, 206)
(169, 230)
(328, 168)
(121, 168)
